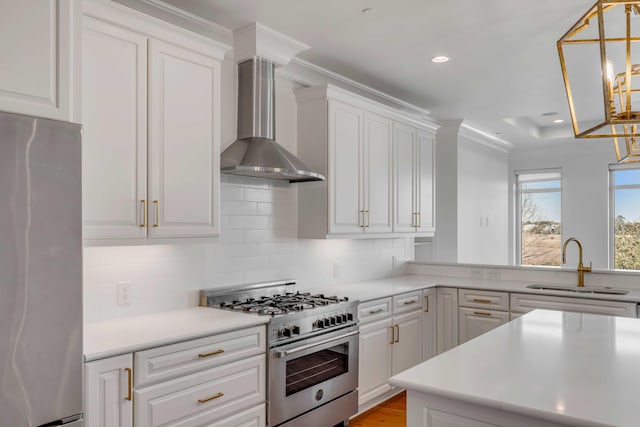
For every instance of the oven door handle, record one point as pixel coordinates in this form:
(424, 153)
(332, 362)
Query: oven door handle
(286, 353)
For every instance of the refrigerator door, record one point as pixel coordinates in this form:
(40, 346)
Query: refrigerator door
(40, 271)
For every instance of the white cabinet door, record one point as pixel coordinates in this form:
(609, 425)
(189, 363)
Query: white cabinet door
(108, 392)
(474, 322)
(184, 134)
(407, 347)
(447, 318)
(345, 168)
(374, 362)
(403, 149)
(37, 48)
(378, 157)
(429, 330)
(114, 114)
(424, 178)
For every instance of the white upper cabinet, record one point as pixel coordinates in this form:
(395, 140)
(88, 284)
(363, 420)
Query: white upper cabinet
(37, 45)
(114, 155)
(346, 143)
(414, 180)
(184, 112)
(151, 114)
(350, 140)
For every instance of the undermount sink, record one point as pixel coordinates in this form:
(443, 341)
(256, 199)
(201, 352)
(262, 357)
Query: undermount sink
(582, 290)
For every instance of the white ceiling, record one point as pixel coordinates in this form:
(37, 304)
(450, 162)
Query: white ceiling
(504, 62)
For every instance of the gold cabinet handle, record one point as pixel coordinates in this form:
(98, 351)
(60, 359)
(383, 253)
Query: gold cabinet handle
(156, 204)
(482, 313)
(213, 353)
(215, 396)
(413, 301)
(361, 225)
(397, 333)
(414, 221)
(481, 300)
(367, 222)
(392, 335)
(377, 310)
(129, 383)
(426, 303)
(144, 213)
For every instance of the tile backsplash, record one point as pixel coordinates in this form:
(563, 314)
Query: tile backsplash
(257, 243)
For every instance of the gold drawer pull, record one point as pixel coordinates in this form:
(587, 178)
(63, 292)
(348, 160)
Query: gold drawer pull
(413, 301)
(156, 204)
(481, 313)
(377, 310)
(397, 333)
(213, 353)
(215, 396)
(426, 303)
(144, 213)
(484, 301)
(129, 383)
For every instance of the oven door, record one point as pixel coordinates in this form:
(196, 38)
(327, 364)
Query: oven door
(309, 373)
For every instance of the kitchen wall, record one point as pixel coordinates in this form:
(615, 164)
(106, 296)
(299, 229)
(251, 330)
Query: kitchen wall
(585, 193)
(257, 242)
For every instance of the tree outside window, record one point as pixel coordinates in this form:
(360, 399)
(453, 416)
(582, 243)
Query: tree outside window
(539, 218)
(625, 194)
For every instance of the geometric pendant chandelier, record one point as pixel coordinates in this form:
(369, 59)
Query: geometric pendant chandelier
(600, 61)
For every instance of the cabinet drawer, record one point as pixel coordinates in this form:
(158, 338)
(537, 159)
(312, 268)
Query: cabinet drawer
(474, 322)
(490, 300)
(374, 310)
(203, 398)
(164, 363)
(524, 303)
(407, 302)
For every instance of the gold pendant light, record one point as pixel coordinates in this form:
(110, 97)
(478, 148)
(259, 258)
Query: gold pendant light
(597, 59)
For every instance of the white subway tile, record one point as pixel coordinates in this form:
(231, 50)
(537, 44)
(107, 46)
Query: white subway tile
(248, 222)
(265, 208)
(258, 195)
(239, 208)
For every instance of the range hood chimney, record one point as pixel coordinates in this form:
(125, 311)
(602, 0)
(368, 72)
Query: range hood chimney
(256, 153)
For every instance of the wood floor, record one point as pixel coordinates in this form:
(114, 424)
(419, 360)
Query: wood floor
(391, 413)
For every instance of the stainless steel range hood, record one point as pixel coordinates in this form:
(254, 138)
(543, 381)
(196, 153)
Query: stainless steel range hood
(256, 153)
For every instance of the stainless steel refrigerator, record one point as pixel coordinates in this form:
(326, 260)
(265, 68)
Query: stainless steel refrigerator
(40, 272)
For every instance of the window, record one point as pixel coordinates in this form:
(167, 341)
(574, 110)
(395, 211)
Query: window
(539, 225)
(625, 217)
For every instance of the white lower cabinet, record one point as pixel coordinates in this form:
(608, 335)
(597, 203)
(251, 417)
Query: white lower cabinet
(480, 311)
(212, 381)
(108, 392)
(390, 342)
(447, 318)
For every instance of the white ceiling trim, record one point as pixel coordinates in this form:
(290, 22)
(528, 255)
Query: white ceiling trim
(221, 33)
(413, 108)
(484, 138)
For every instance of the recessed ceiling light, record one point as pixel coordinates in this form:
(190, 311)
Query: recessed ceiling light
(368, 11)
(440, 59)
(558, 121)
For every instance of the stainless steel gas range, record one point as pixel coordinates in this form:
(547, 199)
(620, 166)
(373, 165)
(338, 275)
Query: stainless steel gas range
(312, 351)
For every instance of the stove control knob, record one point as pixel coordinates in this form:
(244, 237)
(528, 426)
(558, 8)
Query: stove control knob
(295, 330)
(332, 320)
(286, 332)
(344, 318)
(326, 322)
(338, 319)
(349, 316)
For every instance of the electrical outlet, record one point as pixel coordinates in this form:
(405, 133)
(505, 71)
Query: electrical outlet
(123, 293)
(336, 270)
(477, 273)
(493, 274)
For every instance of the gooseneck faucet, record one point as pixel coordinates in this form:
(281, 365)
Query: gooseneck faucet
(581, 268)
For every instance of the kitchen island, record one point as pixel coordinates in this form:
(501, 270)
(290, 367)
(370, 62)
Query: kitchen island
(547, 368)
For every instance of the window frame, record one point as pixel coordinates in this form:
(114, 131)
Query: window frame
(612, 208)
(518, 207)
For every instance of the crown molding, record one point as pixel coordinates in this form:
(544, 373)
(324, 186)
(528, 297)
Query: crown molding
(367, 89)
(469, 131)
(257, 40)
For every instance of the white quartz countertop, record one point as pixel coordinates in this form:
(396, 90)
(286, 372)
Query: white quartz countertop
(579, 369)
(379, 288)
(119, 336)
